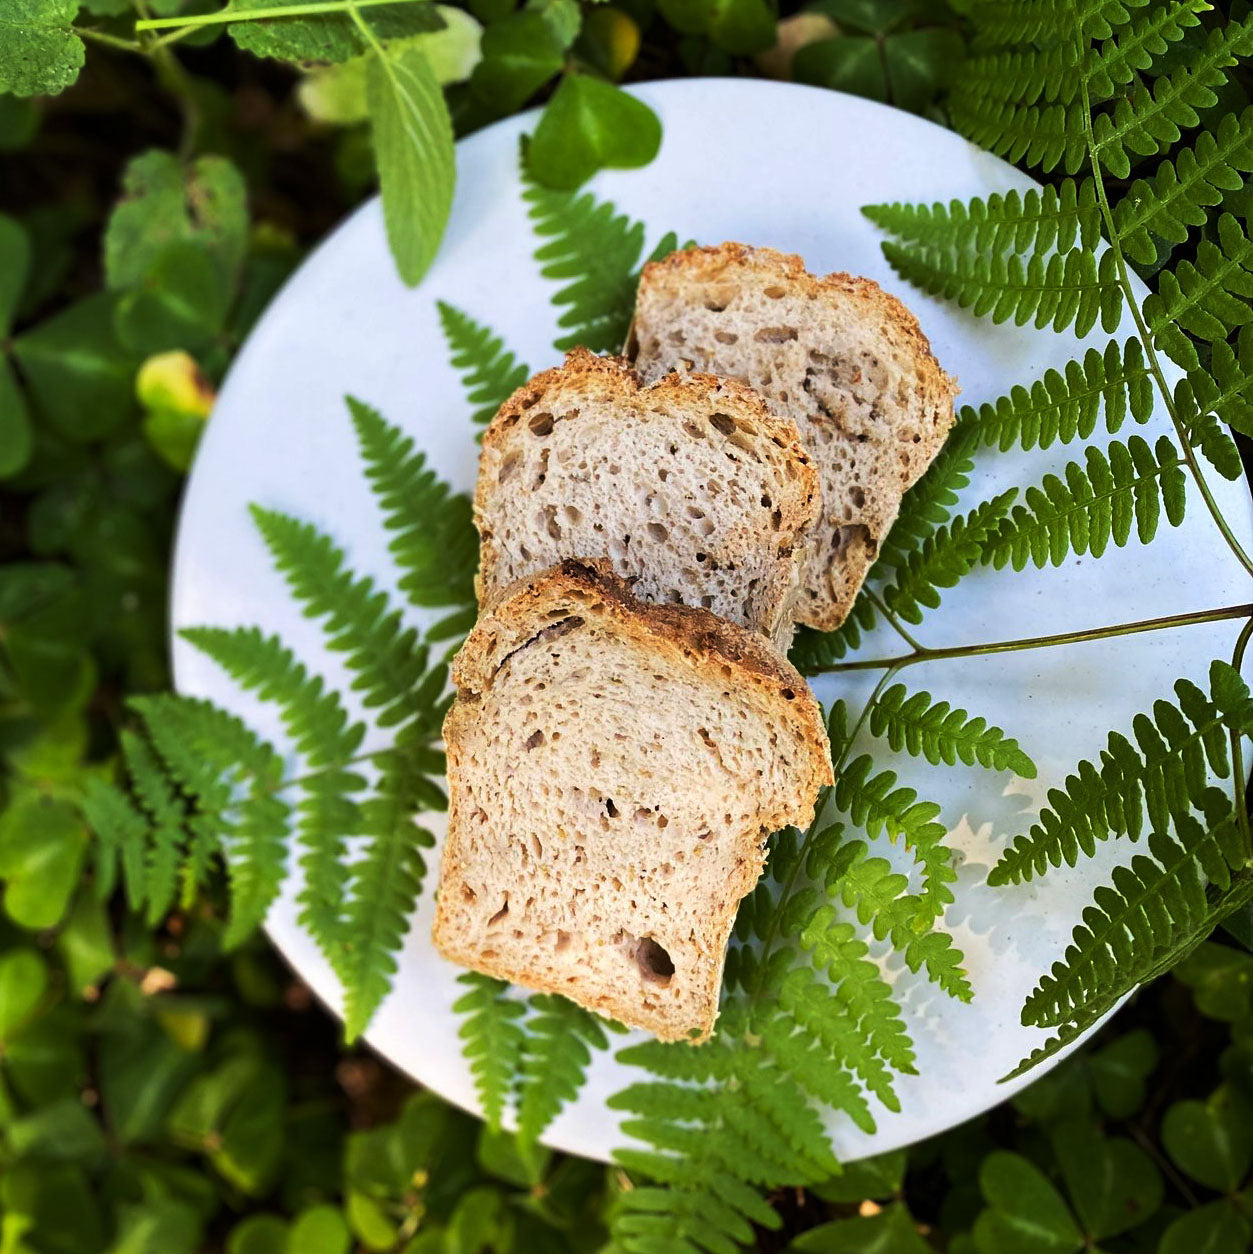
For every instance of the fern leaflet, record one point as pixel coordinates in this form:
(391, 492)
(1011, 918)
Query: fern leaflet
(389, 659)
(1176, 198)
(1045, 21)
(492, 1037)
(1145, 119)
(556, 1051)
(1037, 220)
(386, 880)
(320, 729)
(1164, 775)
(597, 254)
(1134, 49)
(1207, 298)
(1062, 407)
(934, 730)
(435, 545)
(1043, 136)
(1099, 501)
(1151, 915)
(1060, 290)
(489, 372)
(944, 558)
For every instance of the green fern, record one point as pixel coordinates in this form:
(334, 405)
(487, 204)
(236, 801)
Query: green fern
(1045, 21)
(1128, 485)
(1136, 46)
(389, 659)
(492, 1036)
(1062, 406)
(1063, 217)
(1207, 298)
(597, 254)
(1044, 136)
(1223, 393)
(948, 554)
(489, 373)
(813, 651)
(1163, 776)
(1152, 914)
(1146, 118)
(1057, 289)
(435, 545)
(386, 879)
(934, 730)
(556, 1052)
(322, 734)
(1163, 209)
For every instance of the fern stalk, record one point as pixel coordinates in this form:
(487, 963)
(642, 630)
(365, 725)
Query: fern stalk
(1239, 780)
(1039, 642)
(1142, 329)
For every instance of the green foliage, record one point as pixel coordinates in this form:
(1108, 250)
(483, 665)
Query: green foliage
(1143, 786)
(1063, 406)
(1128, 484)
(39, 51)
(490, 373)
(944, 557)
(932, 729)
(597, 254)
(493, 1040)
(590, 125)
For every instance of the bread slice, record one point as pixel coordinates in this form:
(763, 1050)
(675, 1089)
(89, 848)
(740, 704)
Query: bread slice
(839, 356)
(691, 490)
(614, 768)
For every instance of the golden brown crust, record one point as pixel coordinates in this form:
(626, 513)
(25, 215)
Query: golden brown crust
(687, 634)
(710, 263)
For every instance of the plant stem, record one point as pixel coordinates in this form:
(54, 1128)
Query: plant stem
(1239, 780)
(257, 15)
(1041, 642)
(877, 601)
(109, 41)
(1145, 335)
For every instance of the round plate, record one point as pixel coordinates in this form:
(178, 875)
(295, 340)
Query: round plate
(764, 163)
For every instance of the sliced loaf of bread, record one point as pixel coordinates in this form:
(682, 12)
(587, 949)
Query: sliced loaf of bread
(689, 488)
(843, 359)
(614, 768)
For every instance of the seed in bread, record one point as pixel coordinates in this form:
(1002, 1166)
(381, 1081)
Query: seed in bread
(846, 361)
(689, 488)
(614, 769)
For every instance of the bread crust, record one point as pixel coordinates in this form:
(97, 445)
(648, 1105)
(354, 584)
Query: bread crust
(574, 390)
(678, 636)
(679, 277)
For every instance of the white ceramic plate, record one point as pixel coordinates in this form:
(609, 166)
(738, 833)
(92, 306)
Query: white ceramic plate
(769, 164)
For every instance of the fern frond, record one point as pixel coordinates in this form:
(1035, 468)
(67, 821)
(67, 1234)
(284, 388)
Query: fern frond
(1025, 77)
(557, 1049)
(934, 730)
(1098, 501)
(320, 728)
(1163, 776)
(386, 882)
(120, 832)
(489, 372)
(944, 558)
(1208, 298)
(1045, 21)
(1147, 118)
(726, 1116)
(1043, 136)
(435, 545)
(1134, 48)
(1062, 407)
(1061, 290)
(153, 880)
(492, 1036)
(598, 254)
(813, 650)
(1163, 208)
(232, 778)
(1224, 391)
(875, 804)
(1146, 909)
(1038, 220)
(389, 659)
